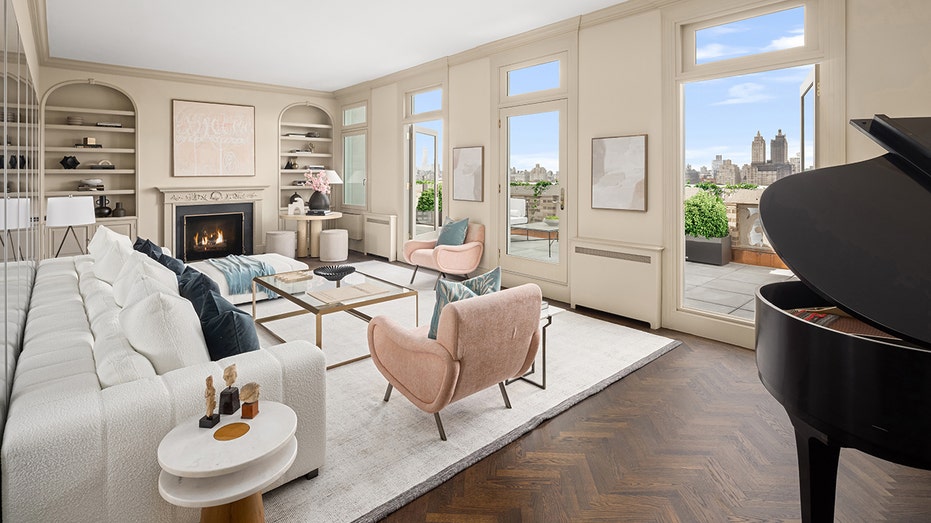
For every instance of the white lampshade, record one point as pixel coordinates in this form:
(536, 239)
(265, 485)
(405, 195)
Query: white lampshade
(17, 215)
(70, 210)
(332, 177)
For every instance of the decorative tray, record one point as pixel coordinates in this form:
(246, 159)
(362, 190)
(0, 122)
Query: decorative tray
(334, 272)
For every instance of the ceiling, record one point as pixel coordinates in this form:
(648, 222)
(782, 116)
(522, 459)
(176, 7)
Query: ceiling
(308, 44)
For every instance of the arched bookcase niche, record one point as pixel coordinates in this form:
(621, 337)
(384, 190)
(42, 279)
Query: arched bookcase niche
(305, 140)
(95, 123)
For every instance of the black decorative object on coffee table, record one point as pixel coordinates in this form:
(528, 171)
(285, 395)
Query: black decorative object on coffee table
(334, 272)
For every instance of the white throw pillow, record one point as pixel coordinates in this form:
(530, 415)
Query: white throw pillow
(146, 286)
(101, 241)
(117, 362)
(165, 329)
(140, 267)
(108, 265)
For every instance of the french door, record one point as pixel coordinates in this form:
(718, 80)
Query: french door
(425, 181)
(533, 142)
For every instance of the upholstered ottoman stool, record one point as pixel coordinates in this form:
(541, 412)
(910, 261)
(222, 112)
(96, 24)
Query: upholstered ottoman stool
(281, 242)
(334, 245)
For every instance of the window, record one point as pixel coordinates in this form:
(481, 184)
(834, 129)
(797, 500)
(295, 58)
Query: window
(535, 78)
(759, 34)
(354, 168)
(353, 116)
(354, 154)
(427, 101)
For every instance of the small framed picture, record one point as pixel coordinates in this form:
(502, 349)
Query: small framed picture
(619, 173)
(468, 173)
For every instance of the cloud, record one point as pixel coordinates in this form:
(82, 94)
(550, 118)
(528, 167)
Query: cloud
(724, 29)
(710, 51)
(795, 39)
(745, 93)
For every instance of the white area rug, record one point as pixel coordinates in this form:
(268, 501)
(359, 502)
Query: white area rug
(381, 456)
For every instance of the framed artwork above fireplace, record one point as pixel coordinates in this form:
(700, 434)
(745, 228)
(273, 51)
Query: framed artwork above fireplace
(211, 139)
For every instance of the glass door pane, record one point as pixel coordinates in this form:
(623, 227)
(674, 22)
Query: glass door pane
(426, 181)
(534, 171)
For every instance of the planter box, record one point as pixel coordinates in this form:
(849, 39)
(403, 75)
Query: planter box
(715, 251)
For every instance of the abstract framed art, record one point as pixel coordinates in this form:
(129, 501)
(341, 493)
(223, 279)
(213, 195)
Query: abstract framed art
(619, 173)
(211, 139)
(468, 173)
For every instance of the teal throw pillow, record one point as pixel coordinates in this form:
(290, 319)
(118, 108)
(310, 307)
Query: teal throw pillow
(453, 232)
(450, 291)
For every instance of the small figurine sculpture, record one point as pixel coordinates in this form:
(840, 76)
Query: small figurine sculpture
(210, 395)
(250, 400)
(229, 398)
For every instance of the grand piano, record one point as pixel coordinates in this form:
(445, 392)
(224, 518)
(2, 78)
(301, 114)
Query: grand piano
(847, 349)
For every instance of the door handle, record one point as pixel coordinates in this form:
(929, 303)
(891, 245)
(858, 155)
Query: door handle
(562, 199)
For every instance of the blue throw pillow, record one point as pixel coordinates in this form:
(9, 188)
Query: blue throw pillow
(228, 330)
(449, 291)
(148, 248)
(446, 292)
(172, 263)
(194, 286)
(453, 232)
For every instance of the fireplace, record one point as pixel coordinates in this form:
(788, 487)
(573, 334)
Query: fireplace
(212, 235)
(213, 231)
(206, 201)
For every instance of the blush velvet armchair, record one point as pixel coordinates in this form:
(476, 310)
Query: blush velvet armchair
(480, 341)
(447, 259)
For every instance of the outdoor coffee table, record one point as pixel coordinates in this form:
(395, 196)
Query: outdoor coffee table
(551, 231)
(318, 296)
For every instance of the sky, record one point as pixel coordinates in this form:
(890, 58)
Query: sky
(722, 116)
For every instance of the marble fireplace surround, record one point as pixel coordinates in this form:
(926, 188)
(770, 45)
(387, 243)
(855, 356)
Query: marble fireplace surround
(175, 197)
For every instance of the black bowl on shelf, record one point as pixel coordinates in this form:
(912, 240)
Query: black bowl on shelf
(334, 272)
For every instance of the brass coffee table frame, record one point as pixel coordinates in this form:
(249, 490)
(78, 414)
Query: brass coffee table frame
(328, 308)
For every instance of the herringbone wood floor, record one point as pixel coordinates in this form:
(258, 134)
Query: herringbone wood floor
(691, 437)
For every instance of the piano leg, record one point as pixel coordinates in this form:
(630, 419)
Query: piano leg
(817, 472)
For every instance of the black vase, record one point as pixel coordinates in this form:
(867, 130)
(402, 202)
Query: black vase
(318, 202)
(294, 197)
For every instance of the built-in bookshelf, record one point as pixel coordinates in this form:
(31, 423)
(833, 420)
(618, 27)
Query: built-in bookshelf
(96, 124)
(305, 141)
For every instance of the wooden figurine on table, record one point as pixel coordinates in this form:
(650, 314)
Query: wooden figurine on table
(210, 395)
(250, 400)
(229, 398)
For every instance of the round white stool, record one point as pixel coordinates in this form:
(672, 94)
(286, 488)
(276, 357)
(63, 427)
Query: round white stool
(334, 245)
(281, 242)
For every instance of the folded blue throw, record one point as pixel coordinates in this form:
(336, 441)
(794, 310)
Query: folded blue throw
(239, 271)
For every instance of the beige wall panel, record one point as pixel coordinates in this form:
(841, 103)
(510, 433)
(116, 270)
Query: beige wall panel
(153, 127)
(469, 125)
(888, 65)
(620, 91)
(386, 166)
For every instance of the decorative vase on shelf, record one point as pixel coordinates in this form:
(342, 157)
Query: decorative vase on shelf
(101, 210)
(294, 197)
(119, 211)
(318, 202)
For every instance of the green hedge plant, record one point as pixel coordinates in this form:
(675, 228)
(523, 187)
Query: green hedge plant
(705, 216)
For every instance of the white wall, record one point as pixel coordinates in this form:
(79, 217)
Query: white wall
(153, 127)
(888, 65)
(620, 94)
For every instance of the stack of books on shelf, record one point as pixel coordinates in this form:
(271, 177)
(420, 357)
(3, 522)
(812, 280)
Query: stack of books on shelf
(108, 124)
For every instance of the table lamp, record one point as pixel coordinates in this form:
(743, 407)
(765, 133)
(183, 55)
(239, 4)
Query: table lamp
(68, 211)
(332, 178)
(16, 216)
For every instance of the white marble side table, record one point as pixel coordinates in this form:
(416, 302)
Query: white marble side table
(222, 470)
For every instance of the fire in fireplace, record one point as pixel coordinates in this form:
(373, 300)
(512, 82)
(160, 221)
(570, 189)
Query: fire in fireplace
(212, 235)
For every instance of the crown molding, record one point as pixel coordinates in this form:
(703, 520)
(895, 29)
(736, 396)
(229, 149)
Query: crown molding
(567, 26)
(623, 10)
(426, 67)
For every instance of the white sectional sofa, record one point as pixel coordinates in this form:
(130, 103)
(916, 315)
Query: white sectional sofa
(87, 411)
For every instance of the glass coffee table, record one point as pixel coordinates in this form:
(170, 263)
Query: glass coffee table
(319, 296)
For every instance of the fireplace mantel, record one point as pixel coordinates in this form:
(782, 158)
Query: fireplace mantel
(174, 197)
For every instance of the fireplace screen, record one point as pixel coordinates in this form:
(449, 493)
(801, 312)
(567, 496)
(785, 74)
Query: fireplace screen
(212, 235)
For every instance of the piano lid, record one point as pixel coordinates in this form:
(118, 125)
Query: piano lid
(860, 234)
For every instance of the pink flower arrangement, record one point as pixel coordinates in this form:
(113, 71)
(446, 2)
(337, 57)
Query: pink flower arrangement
(317, 180)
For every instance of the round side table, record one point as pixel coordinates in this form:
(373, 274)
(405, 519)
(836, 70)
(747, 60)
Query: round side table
(222, 470)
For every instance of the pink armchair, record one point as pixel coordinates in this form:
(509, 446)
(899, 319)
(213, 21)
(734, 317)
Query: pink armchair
(447, 259)
(480, 341)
